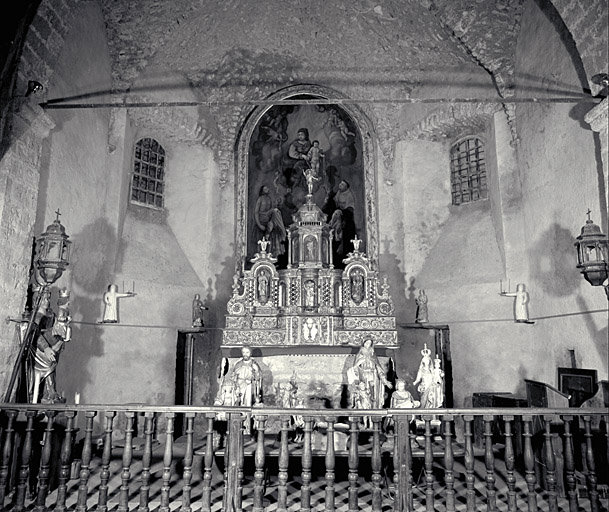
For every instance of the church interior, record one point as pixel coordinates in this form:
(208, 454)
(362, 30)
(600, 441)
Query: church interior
(461, 150)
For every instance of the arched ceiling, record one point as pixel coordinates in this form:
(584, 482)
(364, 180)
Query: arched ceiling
(235, 42)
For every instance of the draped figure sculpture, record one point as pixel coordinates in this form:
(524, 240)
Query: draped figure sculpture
(424, 374)
(372, 373)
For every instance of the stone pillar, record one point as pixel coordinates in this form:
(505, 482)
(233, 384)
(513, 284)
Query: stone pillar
(598, 119)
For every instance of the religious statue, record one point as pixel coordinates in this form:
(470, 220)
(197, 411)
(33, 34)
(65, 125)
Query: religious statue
(521, 300)
(314, 157)
(47, 346)
(197, 311)
(111, 303)
(357, 286)
(433, 395)
(310, 177)
(372, 373)
(401, 398)
(263, 287)
(421, 301)
(309, 293)
(246, 379)
(424, 374)
(362, 399)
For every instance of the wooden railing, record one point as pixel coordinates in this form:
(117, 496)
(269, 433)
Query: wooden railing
(132, 457)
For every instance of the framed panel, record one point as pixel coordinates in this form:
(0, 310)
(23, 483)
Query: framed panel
(579, 383)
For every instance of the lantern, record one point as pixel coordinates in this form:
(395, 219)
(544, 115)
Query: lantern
(53, 252)
(592, 253)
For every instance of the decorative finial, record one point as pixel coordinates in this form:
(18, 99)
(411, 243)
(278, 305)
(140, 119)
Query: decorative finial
(588, 213)
(58, 213)
(356, 241)
(264, 243)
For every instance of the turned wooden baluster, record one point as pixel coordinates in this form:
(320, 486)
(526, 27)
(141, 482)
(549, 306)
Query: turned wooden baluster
(429, 478)
(470, 479)
(259, 487)
(207, 464)
(123, 496)
(24, 471)
(85, 466)
(167, 459)
(7, 451)
(550, 462)
(307, 461)
(449, 462)
(330, 466)
(45, 459)
(489, 461)
(102, 503)
(569, 458)
(188, 458)
(591, 476)
(283, 463)
(233, 457)
(65, 460)
(510, 460)
(241, 463)
(146, 461)
(529, 463)
(403, 466)
(375, 464)
(353, 463)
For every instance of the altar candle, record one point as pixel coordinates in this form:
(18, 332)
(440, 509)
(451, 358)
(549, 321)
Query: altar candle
(500, 285)
(133, 290)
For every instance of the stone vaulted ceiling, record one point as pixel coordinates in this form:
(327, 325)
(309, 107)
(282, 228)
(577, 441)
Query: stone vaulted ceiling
(231, 42)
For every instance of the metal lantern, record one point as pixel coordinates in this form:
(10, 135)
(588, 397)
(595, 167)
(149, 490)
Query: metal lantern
(592, 253)
(53, 252)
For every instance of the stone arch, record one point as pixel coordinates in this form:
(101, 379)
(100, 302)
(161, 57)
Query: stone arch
(365, 128)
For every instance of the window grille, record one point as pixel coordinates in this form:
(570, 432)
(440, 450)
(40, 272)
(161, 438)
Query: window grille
(148, 180)
(468, 171)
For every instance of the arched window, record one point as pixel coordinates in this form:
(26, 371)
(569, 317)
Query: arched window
(468, 171)
(148, 180)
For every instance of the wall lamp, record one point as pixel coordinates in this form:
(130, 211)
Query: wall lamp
(593, 255)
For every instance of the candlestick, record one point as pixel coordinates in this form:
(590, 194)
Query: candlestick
(500, 286)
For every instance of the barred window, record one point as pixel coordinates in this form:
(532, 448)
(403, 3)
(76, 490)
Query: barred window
(468, 171)
(148, 180)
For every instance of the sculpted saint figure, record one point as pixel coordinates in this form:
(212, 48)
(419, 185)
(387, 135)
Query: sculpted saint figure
(422, 312)
(424, 374)
(111, 303)
(433, 396)
(372, 373)
(247, 379)
(363, 400)
(521, 300)
(197, 311)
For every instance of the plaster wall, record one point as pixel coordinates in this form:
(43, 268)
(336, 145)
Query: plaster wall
(561, 172)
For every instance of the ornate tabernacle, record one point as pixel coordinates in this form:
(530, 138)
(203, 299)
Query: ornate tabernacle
(310, 302)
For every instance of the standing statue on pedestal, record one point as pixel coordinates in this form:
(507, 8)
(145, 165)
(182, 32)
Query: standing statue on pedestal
(54, 332)
(111, 303)
(247, 379)
(424, 374)
(433, 396)
(401, 398)
(372, 373)
(521, 300)
(197, 311)
(422, 311)
(362, 400)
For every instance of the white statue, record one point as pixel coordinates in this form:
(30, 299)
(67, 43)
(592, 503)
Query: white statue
(521, 299)
(433, 396)
(111, 303)
(372, 374)
(424, 374)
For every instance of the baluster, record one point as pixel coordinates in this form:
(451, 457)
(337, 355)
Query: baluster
(330, 466)
(429, 479)
(259, 486)
(167, 460)
(469, 464)
(529, 463)
(241, 461)
(65, 458)
(307, 461)
(550, 464)
(510, 460)
(7, 451)
(570, 465)
(24, 471)
(353, 463)
(123, 497)
(489, 461)
(591, 476)
(283, 462)
(208, 461)
(449, 462)
(188, 458)
(45, 459)
(85, 468)
(146, 461)
(375, 463)
(102, 503)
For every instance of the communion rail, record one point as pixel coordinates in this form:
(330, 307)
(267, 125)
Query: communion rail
(132, 457)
